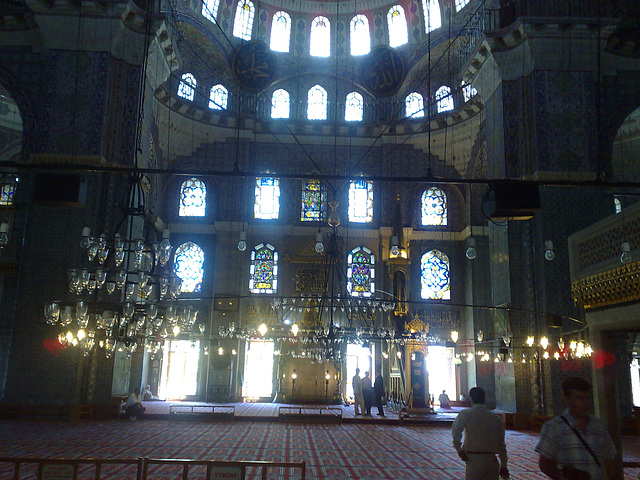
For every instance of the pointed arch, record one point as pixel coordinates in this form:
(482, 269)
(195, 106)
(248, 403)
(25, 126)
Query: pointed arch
(354, 107)
(361, 272)
(434, 276)
(414, 105)
(432, 15)
(193, 198)
(360, 36)
(218, 97)
(280, 104)
(317, 103)
(263, 271)
(243, 22)
(434, 207)
(187, 87)
(444, 99)
(397, 25)
(280, 32)
(320, 37)
(188, 265)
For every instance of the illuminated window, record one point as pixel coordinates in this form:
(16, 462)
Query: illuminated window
(398, 33)
(188, 265)
(210, 9)
(320, 37)
(360, 35)
(434, 207)
(354, 107)
(280, 104)
(280, 32)
(243, 22)
(460, 4)
(193, 198)
(317, 103)
(8, 189)
(218, 97)
(444, 100)
(314, 200)
(187, 87)
(267, 206)
(361, 272)
(414, 106)
(360, 201)
(263, 272)
(617, 204)
(432, 16)
(468, 91)
(434, 276)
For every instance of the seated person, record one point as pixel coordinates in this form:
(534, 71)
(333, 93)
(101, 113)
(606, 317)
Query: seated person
(147, 396)
(134, 408)
(444, 400)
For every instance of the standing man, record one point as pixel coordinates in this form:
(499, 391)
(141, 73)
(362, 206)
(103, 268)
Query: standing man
(367, 393)
(576, 445)
(378, 393)
(358, 399)
(483, 440)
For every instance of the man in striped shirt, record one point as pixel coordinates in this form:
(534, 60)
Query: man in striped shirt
(576, 445)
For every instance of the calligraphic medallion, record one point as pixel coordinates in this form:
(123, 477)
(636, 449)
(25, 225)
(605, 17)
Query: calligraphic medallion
(254, 65)
(382, 71)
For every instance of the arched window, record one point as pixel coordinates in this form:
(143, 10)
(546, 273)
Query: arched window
(314, 199)
(414, 106)
(280, 104)
(360, 35)
(187, 87)
(317, 103)
(460, 4)
(210, 9)
(243, 22)
(8, 189)
(361, 272)
(468, 91)
(188, 266)
(360, 201)
(320, 37)
(218, 97)
(267, 205)
(444, 100)
(617, 204)
(432, 16)
(434, 276)
(280, 32)
(354, 107)
(263, 272)
(193, 198)
(434, 207)
(397, 22)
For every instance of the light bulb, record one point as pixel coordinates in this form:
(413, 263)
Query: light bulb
(294, 329)
(626, 253)
(394, 247)
(86, 233)
(262, 329)
(471, 252)
(454, 336)
(319, 244)
(549, 254)
(242, 242)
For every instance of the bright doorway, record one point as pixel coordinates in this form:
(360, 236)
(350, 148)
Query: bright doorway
(258, 369)
(442, 373)
(358, 357)
(179, 377)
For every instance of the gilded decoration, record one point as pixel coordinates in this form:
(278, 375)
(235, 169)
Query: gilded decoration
(615, 286)
(417, 325)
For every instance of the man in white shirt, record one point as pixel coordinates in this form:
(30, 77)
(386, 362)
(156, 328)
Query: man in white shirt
(483, 440)
(358, 399)
(134, 408)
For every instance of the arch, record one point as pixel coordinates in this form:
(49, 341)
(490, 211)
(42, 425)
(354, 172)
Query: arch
(267, 198)
(317, 103)
(263, 271)
(187, 87)
(432, 15)
(444, 99)
(360, 201)
(361, 272)
(243, 22)
(414, 105)
(397, 25)
(434, 276)
(188, 265)
(360, 36)
(433, 206)
(280, 32)
(193, 198)
(320, 37)
(218, 97)
(354, 107)
(280, 104)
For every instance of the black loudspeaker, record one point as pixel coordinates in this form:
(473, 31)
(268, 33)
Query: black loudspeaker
(59, 189)
(514, 200)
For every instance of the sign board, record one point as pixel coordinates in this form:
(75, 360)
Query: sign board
(57, 471)
(226, 473)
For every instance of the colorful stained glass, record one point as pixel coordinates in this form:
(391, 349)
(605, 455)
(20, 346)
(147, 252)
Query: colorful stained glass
(361, 201)
(434, 276)
(361, 272)
(193, 198)
(7, 191)
(314, 200)
(263, 272)
(434, 207)
(267, 194)
(189, 267)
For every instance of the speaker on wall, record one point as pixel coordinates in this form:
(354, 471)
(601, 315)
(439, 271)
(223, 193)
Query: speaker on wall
(59, 189)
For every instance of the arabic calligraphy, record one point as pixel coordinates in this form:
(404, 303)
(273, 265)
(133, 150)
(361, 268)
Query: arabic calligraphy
(382, 71)
(254, 65)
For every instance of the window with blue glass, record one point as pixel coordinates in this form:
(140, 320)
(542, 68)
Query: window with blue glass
(243, 22)
(414, 105)
(360, 201)
(317, 103)
(218, 97)
(188, 266)
(8, 190)
(210, 9)
(263, 272)
(267, 198)
(434, 207)
(354, 107)
(434, 276)
(187, 87)
(280, 32)
(361, 272)
(432, 15)
(280, 104)
(444, 99)
(320, 37)
(314, 200)
(360, 35)
(397, 24)
(193, 198)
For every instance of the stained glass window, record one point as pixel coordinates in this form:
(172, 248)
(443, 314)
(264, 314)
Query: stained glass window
(320, 37)
(267, 206)
(317, 103)
(280, 32)
(314, 199)
(354, 107)
(193, 198)
(360, 201)
(444, 100)
(468, 91)
(187, 87)
(397, 22)
(188, 265)
(360, 35)
(280, 104)
(432, 16)
(210, 9)
(243, 22)
(218, 97)
(414, 106)
(434, 207)
(434, 276)
(460, 4)
(8, 190)
(263, 273)
(361, 272)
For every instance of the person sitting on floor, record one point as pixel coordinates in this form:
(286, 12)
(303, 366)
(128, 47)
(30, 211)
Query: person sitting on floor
(134, 408)
(147, 396)
(444, 400)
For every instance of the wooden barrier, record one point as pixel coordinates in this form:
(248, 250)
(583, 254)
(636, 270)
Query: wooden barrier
(67, 468)
(217, 412)
(313, 414)
(219, 469)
